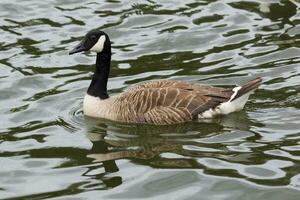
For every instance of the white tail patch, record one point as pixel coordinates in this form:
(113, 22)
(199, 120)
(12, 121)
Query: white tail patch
(228, 106)
(235, 90)
(98, 47)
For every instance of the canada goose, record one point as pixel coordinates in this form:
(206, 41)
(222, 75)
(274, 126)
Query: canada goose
(159, 102)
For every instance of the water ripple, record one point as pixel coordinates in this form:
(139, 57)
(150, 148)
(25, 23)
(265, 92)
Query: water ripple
(51, 150)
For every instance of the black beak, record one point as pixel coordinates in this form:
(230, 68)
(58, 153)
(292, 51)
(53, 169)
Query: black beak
(77, 49)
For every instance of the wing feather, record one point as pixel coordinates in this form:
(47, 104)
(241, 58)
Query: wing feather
(166, 115)
(169, 101)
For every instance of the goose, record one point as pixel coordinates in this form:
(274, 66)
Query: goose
(158, 102)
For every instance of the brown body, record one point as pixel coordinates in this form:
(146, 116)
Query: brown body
(164, 102)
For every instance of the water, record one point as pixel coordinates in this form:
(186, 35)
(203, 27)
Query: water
(49, 150)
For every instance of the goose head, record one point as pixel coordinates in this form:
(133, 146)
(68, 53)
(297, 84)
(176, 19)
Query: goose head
(94, 41)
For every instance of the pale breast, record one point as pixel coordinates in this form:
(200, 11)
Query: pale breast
(96, 107)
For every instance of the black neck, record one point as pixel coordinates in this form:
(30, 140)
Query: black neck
(98, 86)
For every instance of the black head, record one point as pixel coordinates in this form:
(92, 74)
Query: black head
(94, 41)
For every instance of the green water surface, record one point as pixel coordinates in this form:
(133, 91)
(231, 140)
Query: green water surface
(50, 150)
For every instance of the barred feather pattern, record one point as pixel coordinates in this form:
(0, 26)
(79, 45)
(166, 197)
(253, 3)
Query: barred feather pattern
(165, 102)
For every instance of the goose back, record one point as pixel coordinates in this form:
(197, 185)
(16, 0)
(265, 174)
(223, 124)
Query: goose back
(167, 102)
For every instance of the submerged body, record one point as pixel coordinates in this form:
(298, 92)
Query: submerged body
(159, 102)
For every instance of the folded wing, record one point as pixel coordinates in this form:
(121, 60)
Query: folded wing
(168, 102)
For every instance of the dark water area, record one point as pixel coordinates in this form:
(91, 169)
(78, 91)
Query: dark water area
(50, 150)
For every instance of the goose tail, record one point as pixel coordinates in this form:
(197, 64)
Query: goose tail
(239, 97)
(246, 89)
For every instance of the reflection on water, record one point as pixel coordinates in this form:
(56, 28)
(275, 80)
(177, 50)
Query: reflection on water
(48, 149)
(181, 146)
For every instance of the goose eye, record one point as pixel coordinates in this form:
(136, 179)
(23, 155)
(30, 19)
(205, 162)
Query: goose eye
(93, 37)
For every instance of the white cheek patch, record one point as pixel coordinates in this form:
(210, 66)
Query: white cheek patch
(98, 47)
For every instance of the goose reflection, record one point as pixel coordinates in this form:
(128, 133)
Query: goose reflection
(176, 146)
(100, 147)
